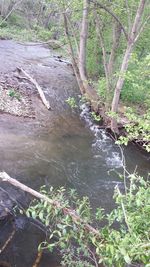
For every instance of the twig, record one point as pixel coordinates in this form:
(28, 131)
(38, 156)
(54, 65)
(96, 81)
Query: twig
(8, 241)
(124, 211)
(43, 98)
(94, 258)
(38, 259)
(112, 14)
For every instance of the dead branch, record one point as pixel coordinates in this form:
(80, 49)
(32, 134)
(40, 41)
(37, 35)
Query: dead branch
(13, 8)
(38, 259)
(99, 5)
(38, 87)
(8, 241)
(67, 211)
(53, 43)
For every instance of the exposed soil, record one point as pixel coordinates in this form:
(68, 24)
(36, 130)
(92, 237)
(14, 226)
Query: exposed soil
(15, 95)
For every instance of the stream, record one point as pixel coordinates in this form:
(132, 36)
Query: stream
(60, 147)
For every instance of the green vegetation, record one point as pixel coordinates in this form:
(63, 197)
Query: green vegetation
(71, 102)
(125, 238)
(14, 94)
(136, 89)
(138, 129)
(96, 117)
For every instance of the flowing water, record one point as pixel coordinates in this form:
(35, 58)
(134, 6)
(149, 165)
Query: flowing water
(60, 147)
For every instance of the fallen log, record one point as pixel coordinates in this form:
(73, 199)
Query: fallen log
(52, 43)
(67, 211)
(38, 87)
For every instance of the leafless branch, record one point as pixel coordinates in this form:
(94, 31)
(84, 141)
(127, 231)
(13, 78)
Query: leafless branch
(142, 28)
(13, 8)
(112, 14)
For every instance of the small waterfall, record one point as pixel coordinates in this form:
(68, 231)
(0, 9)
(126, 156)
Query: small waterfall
(102, 143)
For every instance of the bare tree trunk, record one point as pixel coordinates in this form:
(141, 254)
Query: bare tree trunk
(73, 58)
(48, 19)
(39, 14)
(131, 42)
(80, 74)
(73, 32)
(116, 39)
(83, 40)
(119, 86)
(100, 36)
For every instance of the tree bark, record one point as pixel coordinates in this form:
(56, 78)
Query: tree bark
(73, 58)
(83, 40)
(100, 36)
(131, 42)
(79, 66)
(100, 5)
(115, 45)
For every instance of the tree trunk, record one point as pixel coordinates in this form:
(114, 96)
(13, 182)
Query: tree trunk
(102, 44)
(119, 86)
(73, 58)
(115, 45)
(79, 69)
(83, 40)
(131, 42)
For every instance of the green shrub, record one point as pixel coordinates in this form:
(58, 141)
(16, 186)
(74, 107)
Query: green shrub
(43, 34)
(71, 101)
(13, 32)
(3, 24)
(101, 88)
(16, 20)
(137, 82)
(129, 243)
(137, 129)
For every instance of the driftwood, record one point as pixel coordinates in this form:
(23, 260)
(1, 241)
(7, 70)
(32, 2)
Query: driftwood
(72, 213)
(38, 87)
(54, 44)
